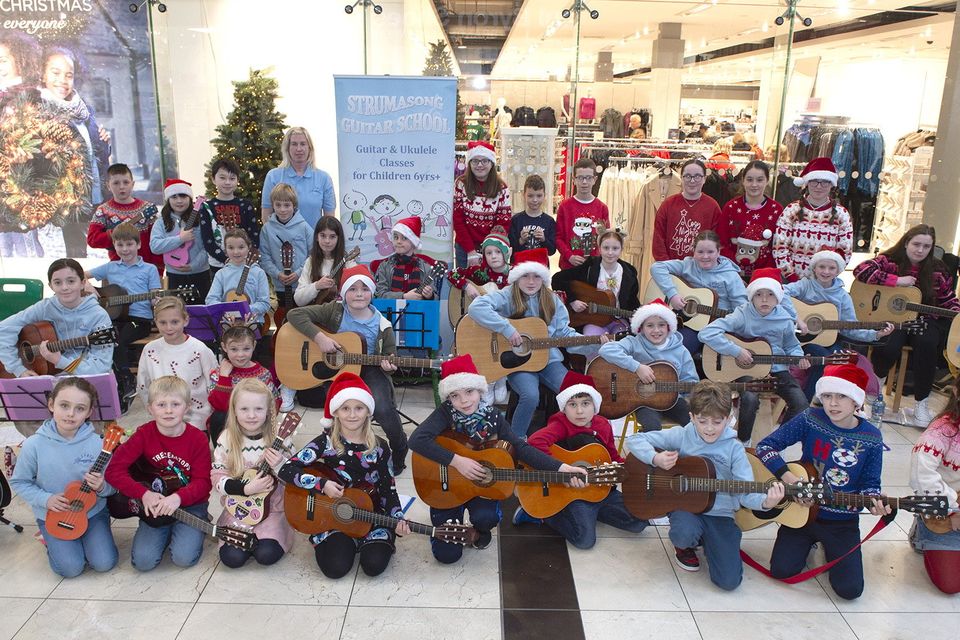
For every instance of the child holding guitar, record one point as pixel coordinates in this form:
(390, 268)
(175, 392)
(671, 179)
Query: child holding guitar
(320, 276)
(463, 412)
(576, 425)
(763, 317)
(656, 339)
(528, 296)
(405, 273)
(245, 444)
(236, 272)
(347, 455)
(911, 263)
(707, 434)
(236, 345)
(60, 452)
(356, 313)
(848, 454)
(286, 226)
(165, 448)
(178, 234)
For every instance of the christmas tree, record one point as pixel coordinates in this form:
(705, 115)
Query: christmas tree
(438, 61)
(252, 134)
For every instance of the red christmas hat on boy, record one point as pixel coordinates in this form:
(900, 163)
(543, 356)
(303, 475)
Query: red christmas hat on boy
(480, 149)
(346, 386)
(535, 261)
(817, 169)
(574, 384)
(176, 187)
(656, 308)
(458, 374)
(356, 273)
(767, 278)
(410, 229)
(828, 253)
(846, 379)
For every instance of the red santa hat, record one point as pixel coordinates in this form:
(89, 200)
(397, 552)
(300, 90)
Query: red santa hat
(346, 386)
(828, 253)
(410, 229)
(846, 379)
(535, 261)
(176, 187)
(576, 383)
(458, 374)
(656, 308)
(754, 234)
(768, 278)
(817, 169)
(357, 273)
(497, 238)
(480, 149)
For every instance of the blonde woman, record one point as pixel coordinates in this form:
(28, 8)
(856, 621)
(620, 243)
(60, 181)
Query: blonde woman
(314, 187)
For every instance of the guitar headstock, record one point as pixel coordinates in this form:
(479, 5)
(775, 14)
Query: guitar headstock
(286, 254)
(288, 425)
(927, 505)
(253, 257)
(188, 292)
(914, 327)
(237, 537)
(103, 337)
(842, 357)
(454, 532)
(606, 473)
(353, 254)
(438, 271)
(111, 437)
(806, 490)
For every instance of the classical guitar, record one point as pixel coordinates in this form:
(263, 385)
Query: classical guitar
(28, 345)
(623, 393)
(824, 325)
(545, 500)
(301, 364)
(879, 303)
(71, 524)
(180, 257)
(312, 512)
(233, 536)
(495, 357)
(459, 301)
(699, 303)
(602, 306)
(721, 368)
(285, 297)
(162, 481)
(443, 487)
(116, 301)
(250, 510)
(239, 293)
(326, 295)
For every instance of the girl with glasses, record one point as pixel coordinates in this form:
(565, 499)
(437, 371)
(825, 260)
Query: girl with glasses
(683, 215)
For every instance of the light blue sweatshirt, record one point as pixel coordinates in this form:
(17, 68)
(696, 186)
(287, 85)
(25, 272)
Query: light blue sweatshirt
(163, 241)
(777, 328)
(724, 279)
(726, 453)
(82, 320)
(492, 310)
(257, 289)
(812, 292)
(139, 277)
(297, 232)
(632, 351)
(48, 462)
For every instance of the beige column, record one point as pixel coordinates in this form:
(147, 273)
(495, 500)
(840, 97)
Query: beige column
(667, 66)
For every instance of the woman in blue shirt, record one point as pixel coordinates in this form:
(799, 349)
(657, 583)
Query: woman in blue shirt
(314, 187)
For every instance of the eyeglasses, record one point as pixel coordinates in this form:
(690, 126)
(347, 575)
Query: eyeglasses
(584, 178)
(480, 161)
(697, 177)
(819, 183)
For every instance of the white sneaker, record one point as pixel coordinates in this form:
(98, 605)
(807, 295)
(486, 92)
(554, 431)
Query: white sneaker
(286, 399)
(922, 414)
(500, 392)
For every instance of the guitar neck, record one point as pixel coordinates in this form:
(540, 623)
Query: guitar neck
(713, 485)
(58, 346)
(188, 519)
(859, 500)
(242, 283)
(777, 359)
(381, 520)
(571, 341)
(264, 467)
(616, 312)
(534, 476)
(375, 360)
(711, 311)
(130, 298)
(683, 387)
(931, 310)
(98, 466)
(851, 324)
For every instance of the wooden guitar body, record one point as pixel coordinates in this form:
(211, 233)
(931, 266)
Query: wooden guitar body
(312, 512)
(815, 315)
(721, 368)
(493, 354)
(884, 304)
(689, 293)
(543, 501)
(585, 293)
(652, 492)
(443, 487)
(623, 393)
(459, 301)
(788, 513)
(953, 342)
(30, 336)
(301, 364)
(159, 481)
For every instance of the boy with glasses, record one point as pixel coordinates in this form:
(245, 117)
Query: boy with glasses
(683, 215)
(579, 217)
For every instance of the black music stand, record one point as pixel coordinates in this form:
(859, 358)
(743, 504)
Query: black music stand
(5, 495)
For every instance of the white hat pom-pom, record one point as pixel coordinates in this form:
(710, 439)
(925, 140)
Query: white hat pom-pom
(767, 234)
(798, 181)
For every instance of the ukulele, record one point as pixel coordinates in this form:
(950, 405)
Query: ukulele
(623, 393)
(458, 301)
(823, 323)
(116, 301)
(326, 295)
(495, 357)
(699, 303)
(250, 510)
(28, 345)
(71, 524)
(239, 293)
(443, 487)
(285, 297)
(311, 512)
(180, 257)
(880, 303)
(301, 364)
(721, 368)
(434, 273)
(601, 306)
(545, 500)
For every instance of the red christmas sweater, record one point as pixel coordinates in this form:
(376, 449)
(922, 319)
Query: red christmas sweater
(223, 387)
(479, 274)
(559, 428)
(473, 219)
(577, 228)
(678, 222)
(734, 217)
(110, 214)
(187, 454)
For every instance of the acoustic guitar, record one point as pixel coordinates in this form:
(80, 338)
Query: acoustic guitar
(436, 272)
(602, 306)
(28, 346)
(180, 257)
(250, 510)
(233, 536)
(939, 524)
(623, 393)
(459, 301)
(116, 300)
(443, 487)
(953, 342)
(699, 303)
(879, 303)
(162, 481)
(301, 364)
(824, 325)
(326, 295)
(239, 293)
(495, 357)
(545, 500)
(721, 368)
(312, 512)
(73, 523)
(788, 513)
(285, 297)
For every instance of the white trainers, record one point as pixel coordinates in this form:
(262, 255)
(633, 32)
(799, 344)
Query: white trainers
(286, 398)
(922, 414)
(500, 391)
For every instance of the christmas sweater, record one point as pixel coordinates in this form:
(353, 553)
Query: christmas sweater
(473, 219)
(227, 215)
(521, 221)
(559, 429)
(221, 387)
(884, 271)
(479, 274)
(187, 455)
(111, 213)
(678, 222)
(734, 220)
(803, 231)
(577, 230)
(849, 460)
(395, 275)
(935, 463)
(190, 361)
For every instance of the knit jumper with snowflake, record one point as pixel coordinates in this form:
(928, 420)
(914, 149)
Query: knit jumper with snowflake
(679, 221)
(734, 218)
(473, 219)
(111, 213)
(935, 463)
(849, 460)
(803, 231)
(191, 361)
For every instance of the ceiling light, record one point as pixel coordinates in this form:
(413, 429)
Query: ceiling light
(479, 82)
(700, 8)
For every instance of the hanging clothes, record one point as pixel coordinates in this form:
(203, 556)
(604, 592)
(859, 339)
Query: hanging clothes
(612, 123)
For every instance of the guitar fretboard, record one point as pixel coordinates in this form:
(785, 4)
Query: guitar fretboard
(62, 345)
(713, 485)
(116, 301)
(534, 476)
(98, 466)
(777, 359)
(338, 358)
(187, 518)
(706, 310)
(931, 310)
(616, 312)
(377, 519)
(571, 341)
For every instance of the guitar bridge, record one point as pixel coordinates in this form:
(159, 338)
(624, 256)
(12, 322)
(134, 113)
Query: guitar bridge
(545, 489)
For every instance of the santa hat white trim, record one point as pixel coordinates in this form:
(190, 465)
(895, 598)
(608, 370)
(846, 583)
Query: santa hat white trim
(348, 393)
(765, 283)
(357, 277)
(828, 254)
(481, 151)
(530, 266)
(750, 242)
(647, 311)
(833, 384)
(460, 382)
(829, 176)
(407, 233)
(180, 188)
(577, 389)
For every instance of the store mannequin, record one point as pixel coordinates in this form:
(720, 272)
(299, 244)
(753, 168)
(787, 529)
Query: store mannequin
(501, 119)
(588, 106)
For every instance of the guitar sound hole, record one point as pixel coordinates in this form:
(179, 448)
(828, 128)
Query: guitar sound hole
(814, 324)
(323, 371)
(487, 475)
(898, 305)
(524, 349)
(343, 511)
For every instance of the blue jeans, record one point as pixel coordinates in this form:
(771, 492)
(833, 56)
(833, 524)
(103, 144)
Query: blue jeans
(485, 514)
(787, 388)
(527, 386)
(577, 522)
(837, 537)
(185, 542)
(815, 372)
(720, 537)
(95, 547)
(459, 256)
(652, 420)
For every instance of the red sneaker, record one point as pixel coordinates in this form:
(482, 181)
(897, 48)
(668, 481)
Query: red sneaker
(687, 559)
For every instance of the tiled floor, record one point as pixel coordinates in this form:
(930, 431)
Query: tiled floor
(626, 587)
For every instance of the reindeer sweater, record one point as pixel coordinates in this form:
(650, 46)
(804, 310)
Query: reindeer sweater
(935, 463)
(849, 460)
(803, 231)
